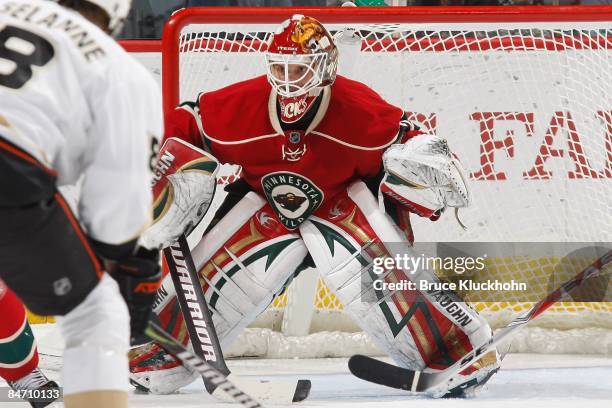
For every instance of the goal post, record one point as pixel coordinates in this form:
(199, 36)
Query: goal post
(523, 95)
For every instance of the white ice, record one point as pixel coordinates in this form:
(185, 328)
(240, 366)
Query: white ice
(525, 381)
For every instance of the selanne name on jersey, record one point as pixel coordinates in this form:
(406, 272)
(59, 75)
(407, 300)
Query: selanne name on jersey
(33, 14)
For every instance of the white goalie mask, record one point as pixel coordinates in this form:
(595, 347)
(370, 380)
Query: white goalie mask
(301, 56)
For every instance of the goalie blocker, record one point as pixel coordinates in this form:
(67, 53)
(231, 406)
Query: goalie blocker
(183, 187)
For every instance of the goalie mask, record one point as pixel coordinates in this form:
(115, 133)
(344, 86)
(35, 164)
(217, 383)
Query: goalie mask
(301, 57)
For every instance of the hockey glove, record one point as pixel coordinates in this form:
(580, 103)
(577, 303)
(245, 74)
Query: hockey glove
(138, 275)
(423, 175)
(183, 188)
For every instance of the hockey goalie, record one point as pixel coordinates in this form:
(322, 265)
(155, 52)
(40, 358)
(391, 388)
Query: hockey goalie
(328, 169)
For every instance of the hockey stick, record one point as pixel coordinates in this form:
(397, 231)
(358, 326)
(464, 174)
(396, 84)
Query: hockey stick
(204, 338)
(210, 373)
(382, 373)
(194, 308)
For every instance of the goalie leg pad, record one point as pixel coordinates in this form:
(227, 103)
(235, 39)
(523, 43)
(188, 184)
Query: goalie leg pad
(243, 262)
(95, 357)
(411, 326)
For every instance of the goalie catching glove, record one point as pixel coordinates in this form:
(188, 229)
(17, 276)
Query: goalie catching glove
(183, 188)
(423, 175)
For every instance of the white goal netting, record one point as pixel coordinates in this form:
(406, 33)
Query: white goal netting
(526, 106)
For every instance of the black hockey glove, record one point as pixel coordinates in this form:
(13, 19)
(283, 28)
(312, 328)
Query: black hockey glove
(138, 275)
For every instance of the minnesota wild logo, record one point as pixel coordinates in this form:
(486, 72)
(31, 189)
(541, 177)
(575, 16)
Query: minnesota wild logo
(289, 201)
(293, 197)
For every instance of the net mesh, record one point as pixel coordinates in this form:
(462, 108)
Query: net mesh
(527, 107)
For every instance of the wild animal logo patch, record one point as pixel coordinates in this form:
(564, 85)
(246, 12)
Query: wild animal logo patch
(289, 201)
(292, 197)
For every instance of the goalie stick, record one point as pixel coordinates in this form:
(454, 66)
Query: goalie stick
(204, 338)
(379, 372)
(210, 373)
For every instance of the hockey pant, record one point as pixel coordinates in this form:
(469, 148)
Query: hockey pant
(47, 260)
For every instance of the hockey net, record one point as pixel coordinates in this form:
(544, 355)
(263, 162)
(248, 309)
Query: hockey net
(525, 99)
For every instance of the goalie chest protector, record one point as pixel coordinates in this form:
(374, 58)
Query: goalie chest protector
(297, 171)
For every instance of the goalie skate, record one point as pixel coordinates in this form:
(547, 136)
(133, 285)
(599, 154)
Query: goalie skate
(153, 370)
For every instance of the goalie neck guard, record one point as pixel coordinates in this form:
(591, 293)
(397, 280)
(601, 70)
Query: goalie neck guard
(301, 57)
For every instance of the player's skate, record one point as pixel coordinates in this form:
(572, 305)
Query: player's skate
(154, 370)
(37, 381)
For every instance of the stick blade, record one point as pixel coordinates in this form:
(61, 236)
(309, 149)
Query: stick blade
(379, 372)
(302, 390)
(272, 392)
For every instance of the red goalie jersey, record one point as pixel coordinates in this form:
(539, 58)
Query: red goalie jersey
(296, 170)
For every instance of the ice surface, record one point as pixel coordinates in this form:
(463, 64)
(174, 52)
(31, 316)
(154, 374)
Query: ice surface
(526, 381)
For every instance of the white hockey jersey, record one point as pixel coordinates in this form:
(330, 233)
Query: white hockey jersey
(75, 100)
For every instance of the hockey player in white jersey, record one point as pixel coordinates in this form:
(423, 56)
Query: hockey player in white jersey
(75, 107)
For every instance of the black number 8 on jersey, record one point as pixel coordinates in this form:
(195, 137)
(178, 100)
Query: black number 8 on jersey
(42, 52)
